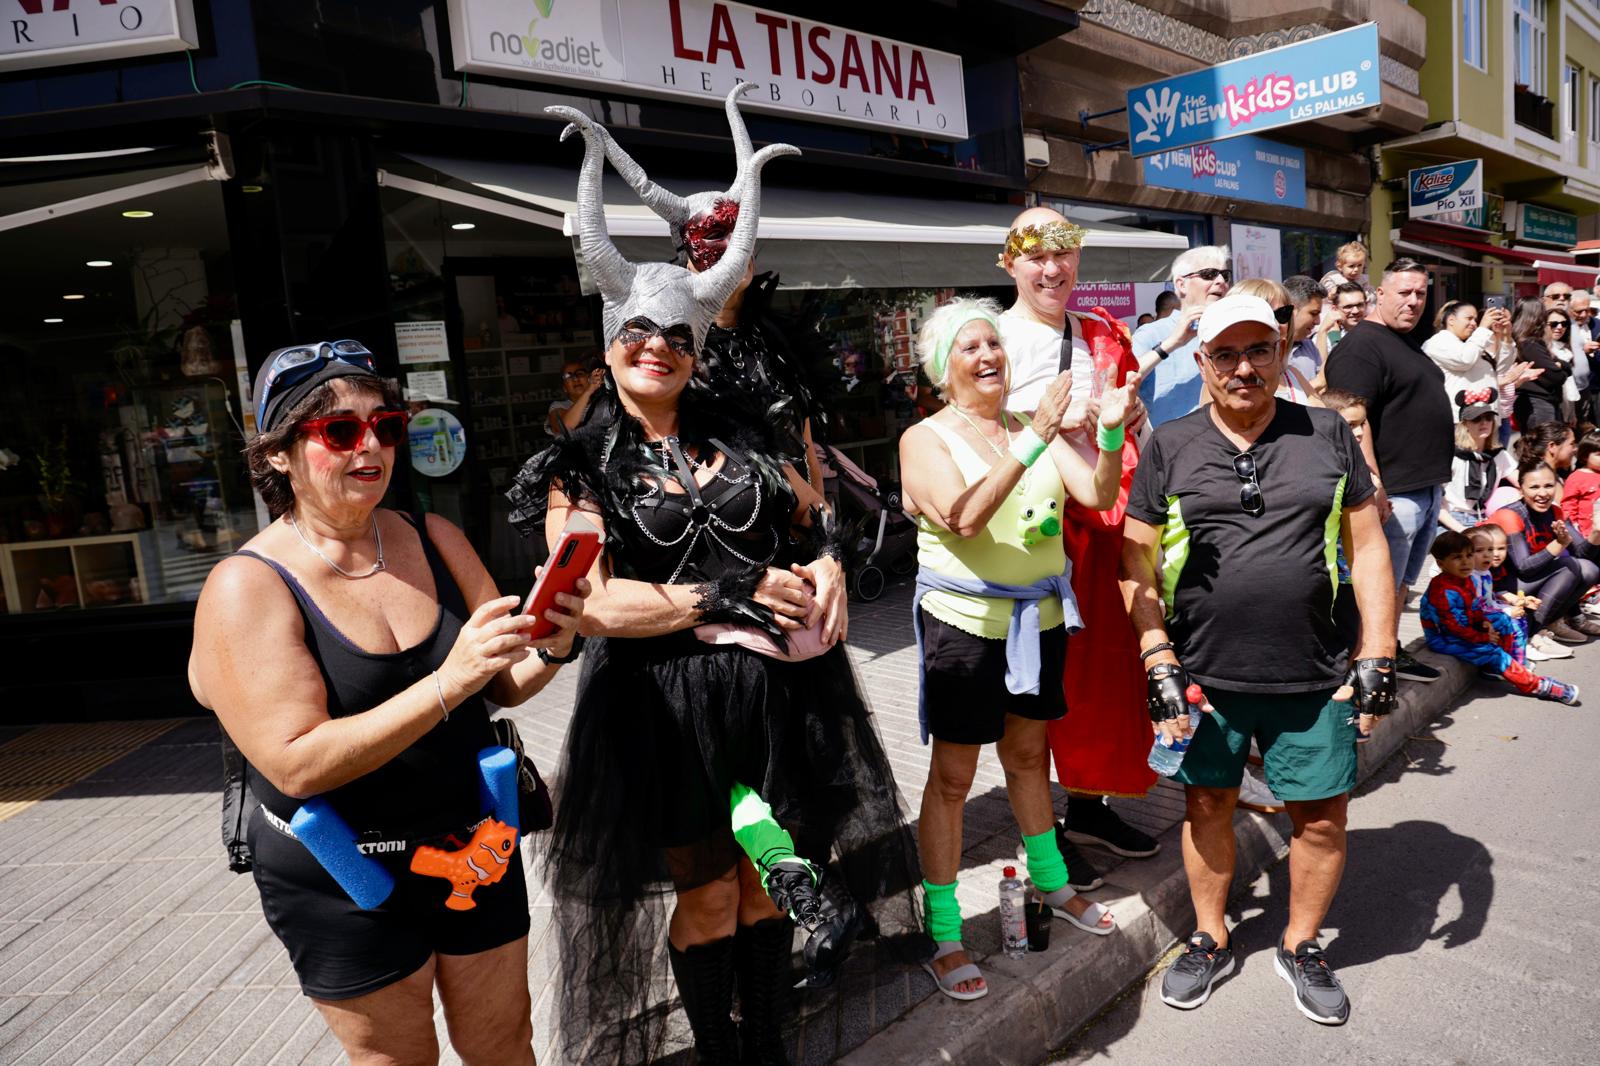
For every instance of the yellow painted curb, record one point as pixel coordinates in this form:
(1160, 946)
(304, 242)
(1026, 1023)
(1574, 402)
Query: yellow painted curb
(45, 760)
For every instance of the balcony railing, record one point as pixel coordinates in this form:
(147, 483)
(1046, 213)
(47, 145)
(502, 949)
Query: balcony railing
(1535, 112)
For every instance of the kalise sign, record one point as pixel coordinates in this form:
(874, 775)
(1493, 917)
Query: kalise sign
(701, 48)
(49, 33)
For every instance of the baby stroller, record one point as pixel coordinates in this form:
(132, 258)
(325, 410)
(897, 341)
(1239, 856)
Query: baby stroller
(884, 538)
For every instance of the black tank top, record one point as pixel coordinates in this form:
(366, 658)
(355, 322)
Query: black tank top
(429, 788)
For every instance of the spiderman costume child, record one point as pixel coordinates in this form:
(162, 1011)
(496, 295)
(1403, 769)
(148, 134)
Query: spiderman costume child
(1455, 622)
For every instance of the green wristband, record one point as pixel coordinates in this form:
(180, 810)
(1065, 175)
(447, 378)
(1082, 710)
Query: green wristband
(1028, 446)
(1109, 440)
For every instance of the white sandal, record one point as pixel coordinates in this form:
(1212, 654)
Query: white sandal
(947, 983)
(1091, 918)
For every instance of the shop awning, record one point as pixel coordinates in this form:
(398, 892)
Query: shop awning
(813, 238)
(1574, 274)
(30, 201)
(1421, 233)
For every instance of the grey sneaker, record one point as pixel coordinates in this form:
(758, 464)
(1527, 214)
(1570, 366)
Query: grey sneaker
(1187, 982)
(1317, 992)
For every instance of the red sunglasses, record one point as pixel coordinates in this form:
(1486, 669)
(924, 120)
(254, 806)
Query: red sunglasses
(344, 433)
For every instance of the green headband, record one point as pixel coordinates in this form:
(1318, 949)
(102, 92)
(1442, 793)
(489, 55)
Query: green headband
(947, 340)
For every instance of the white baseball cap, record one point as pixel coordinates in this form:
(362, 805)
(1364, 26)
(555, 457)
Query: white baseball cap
(1232, 310)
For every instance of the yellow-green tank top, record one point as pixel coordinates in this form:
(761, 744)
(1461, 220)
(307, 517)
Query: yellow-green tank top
(1000, 553)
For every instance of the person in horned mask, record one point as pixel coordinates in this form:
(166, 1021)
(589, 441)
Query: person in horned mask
(752, 355)
(718, 705)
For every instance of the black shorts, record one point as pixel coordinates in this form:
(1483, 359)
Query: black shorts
(964, 683)
(340, 951)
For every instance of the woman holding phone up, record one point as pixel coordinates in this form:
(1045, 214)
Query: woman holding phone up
(347, 651)
(701, 754)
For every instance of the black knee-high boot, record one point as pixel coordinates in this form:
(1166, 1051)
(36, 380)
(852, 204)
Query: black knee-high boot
(704, 973)
(761, 958)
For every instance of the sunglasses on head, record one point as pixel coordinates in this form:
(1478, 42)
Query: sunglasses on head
(636, 331)
(344, 433)
(300, 362)
(1211, 274)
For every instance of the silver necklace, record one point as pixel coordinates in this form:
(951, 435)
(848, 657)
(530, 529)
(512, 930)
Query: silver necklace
(1005, 427)
(341, 571)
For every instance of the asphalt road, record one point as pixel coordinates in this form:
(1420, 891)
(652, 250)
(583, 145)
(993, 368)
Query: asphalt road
(1467, 925)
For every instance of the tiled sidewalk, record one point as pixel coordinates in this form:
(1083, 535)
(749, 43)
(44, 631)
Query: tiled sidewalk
(125, 939)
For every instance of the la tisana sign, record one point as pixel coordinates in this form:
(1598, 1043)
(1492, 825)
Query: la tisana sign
(49, 33)
(701, 48)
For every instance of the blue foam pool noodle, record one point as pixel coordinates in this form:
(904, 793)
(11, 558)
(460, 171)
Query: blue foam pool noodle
(497, 784)
(333, 844)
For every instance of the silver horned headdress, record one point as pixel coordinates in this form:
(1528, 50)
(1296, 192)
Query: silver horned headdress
(700, 222)
(665, 294)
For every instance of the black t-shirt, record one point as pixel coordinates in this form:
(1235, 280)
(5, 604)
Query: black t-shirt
(1404, 390)
(1250, 599)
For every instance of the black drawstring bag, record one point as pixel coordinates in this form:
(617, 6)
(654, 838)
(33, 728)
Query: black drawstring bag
(238, 804)
(533, 795)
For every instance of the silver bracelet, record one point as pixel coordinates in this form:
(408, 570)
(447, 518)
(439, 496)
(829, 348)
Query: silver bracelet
(440, 690)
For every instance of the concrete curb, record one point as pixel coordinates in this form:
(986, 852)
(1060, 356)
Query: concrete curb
(1036, 1003)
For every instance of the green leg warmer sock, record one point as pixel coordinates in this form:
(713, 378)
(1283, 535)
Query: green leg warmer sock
(1046, 868)
(944, 913)
(760, 836)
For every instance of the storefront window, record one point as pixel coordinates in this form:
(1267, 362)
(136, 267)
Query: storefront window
(1313, 252)
(496, 313)
(121, 478)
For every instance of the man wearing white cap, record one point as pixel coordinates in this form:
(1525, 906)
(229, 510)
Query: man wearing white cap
(1246, 499)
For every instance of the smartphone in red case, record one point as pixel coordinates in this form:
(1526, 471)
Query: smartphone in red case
(571, 559)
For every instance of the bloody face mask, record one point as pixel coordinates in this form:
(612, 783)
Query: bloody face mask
(705, 236)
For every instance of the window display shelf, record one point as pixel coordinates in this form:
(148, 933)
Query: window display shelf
(46, 575)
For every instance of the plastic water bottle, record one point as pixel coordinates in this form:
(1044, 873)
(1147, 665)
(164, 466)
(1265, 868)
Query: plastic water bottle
(1013, 922)
(1164, 758)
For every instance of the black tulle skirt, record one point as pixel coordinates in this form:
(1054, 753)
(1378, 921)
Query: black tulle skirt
(662, 729)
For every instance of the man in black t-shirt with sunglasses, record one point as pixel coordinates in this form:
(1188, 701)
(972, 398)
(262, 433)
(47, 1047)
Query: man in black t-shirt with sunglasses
(1245, 501)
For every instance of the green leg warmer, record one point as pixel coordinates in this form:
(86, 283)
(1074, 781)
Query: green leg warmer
(1046, 868)
(760, 836)
(944, 913)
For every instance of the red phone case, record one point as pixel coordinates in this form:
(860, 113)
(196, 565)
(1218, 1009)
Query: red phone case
(573, 556)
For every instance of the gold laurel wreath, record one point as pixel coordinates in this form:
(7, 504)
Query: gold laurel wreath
(1050, 237)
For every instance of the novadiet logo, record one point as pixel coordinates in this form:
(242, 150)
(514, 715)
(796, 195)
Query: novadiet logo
(567, 51)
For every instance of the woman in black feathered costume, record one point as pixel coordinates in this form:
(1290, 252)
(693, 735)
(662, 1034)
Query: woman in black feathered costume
(703, 524)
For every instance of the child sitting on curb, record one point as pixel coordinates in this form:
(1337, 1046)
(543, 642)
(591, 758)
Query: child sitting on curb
(1498, 584)
(1454, 622)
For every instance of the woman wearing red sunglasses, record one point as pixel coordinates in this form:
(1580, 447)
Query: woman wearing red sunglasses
(348, 651)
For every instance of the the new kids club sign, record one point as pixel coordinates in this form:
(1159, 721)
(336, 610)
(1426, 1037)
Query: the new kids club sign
(1311, 79)
(702, 48)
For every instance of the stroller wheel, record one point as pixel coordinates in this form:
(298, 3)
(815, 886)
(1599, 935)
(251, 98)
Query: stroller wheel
(904, 564)
(869, 583)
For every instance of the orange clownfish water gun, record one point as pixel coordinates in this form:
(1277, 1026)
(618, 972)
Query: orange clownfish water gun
(483, 861)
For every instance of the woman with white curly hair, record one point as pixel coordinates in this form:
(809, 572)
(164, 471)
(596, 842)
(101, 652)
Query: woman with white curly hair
(994, 603)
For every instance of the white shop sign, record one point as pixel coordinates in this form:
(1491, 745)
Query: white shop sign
(52, 33)
(702, 48)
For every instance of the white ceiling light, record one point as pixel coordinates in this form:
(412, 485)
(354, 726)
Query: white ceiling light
(138, 213)
(463, 225)
(53, 321)
(73, 296)
(98, 263)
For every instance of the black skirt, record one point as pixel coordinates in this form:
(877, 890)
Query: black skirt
(661, 731)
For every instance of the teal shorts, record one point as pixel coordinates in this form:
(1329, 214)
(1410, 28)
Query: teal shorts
(1307, 742)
